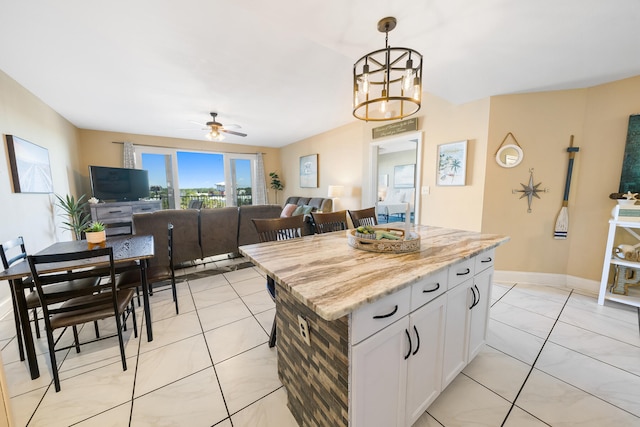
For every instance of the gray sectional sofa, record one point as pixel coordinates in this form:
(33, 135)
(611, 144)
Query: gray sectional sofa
(200, 233)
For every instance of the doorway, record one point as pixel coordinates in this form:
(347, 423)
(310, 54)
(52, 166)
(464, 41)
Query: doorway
(396, 168)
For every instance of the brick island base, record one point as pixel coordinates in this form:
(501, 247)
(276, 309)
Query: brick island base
(316, 377)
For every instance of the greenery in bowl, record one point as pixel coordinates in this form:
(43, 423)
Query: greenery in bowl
(95, 226)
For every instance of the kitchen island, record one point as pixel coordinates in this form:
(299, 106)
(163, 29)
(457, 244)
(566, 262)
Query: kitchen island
(375, 350)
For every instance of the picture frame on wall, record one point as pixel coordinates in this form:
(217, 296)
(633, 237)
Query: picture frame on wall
(30, 166)
(452, 163)
(309, 171)
(404, 176)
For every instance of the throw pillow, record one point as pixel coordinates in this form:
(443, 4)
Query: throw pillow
(288, 210)
(303, 210)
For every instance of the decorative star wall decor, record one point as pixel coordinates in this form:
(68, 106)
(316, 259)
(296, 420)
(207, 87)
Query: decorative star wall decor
(530, 190)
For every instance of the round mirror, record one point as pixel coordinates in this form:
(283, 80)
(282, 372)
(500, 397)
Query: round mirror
(509, 156)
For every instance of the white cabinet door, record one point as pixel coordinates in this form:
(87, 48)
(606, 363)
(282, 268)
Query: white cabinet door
(424, 375)
(456, 343)
(379, 378)
(480, 312)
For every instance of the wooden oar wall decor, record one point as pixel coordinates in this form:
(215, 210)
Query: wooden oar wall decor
(562, 221)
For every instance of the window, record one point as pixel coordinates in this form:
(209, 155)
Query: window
(216, 179)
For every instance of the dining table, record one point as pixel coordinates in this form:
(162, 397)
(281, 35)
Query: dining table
(131, 251)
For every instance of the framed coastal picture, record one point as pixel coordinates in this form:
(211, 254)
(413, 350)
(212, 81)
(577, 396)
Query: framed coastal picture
(404, 176)
(30, 167)
(309, 171)
(452, 163)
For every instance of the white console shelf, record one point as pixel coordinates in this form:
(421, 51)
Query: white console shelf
(627, 218)
(118, 216)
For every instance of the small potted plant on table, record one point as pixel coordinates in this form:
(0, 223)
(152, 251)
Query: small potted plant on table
(96, 235)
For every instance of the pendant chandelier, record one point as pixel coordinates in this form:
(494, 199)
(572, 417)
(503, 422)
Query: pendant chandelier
(387, 83)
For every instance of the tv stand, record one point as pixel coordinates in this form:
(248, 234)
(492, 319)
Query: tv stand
(117, 216)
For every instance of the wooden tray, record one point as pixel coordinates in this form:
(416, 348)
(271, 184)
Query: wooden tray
(409, 242)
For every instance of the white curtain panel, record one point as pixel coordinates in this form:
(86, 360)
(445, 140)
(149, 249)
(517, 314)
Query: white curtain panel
(129, 158)
(260, 198)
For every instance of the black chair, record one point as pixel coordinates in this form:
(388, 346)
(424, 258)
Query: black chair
(158, 271)
(274, 229)
(195, 204)
(66, 302)
(364, 217)
(11, 253)
(330, 221)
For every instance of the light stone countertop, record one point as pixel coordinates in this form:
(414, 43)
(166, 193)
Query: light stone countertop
(333, 279)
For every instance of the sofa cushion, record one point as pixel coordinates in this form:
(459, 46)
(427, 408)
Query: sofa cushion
(186, 234)
(247, 234)
(288, 209)
(320, 203)
(303, 210)
(218, 231)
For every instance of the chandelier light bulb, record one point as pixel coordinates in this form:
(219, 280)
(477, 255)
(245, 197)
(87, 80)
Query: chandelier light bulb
(417, 89)
(365, 79)
(408, 78)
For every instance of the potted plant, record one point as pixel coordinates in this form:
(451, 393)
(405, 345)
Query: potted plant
(95, 233)
(76, 212)
(276, 184)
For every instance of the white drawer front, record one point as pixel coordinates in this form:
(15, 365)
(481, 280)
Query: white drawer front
(460, 272)
(428, 289)
(106, 212)
(371, 318)
(485, 260)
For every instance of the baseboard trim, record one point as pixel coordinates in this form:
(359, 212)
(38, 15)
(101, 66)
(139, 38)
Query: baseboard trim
(563, 281)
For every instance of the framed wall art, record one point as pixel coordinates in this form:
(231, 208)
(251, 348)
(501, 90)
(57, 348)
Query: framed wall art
(309, 171)
(404, 176)
(30, 167)
(452, 163)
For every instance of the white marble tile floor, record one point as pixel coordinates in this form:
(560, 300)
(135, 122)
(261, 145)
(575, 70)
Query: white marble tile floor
(553, 358)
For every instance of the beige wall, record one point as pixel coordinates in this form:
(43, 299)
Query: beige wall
(341, 156)
(33, 215)
(345, 160)
(542, 123)
(97, 148)
(442, 122)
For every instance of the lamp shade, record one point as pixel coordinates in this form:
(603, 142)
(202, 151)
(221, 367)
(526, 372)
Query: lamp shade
(335, 191)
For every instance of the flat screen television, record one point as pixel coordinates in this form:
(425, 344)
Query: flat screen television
(118, 184)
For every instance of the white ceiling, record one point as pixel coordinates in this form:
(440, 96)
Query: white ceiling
(282, 69)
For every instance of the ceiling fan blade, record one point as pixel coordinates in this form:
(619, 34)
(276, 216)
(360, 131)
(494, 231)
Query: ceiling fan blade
(232, 132)
(233, 126)
(197, 123)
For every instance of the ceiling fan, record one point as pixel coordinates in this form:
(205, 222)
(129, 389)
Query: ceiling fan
(216, 129)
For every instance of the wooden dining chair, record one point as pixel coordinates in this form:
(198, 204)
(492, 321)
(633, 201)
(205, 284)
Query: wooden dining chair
(159, 271)
(12, 252)
(275, 229)
(330, 221)
(65, 304)
(364, 217)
